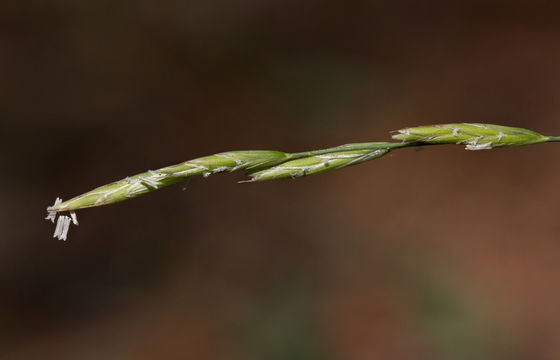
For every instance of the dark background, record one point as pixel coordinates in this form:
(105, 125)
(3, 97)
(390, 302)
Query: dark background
(432, 254)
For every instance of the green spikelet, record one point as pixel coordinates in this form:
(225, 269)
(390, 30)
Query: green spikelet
(474, 136)
(151, 180)
(317, 164)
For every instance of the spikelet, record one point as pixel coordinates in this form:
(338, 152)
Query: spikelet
(473, 136)
(139, 184)
(317, 164)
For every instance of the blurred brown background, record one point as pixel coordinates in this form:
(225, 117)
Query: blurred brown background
(433, 254)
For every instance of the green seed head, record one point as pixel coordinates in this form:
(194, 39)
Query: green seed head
(474, 136)
(267, 165)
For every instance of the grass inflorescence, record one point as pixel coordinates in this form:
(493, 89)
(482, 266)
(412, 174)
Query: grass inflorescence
(262, 165)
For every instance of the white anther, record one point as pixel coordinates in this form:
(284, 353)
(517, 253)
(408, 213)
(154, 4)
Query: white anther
(74, 218)
(62, 226)
(65, 228)
(58, 226)
(52, 214)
